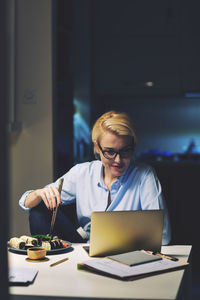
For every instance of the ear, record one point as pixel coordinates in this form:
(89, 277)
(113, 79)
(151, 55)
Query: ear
(96, 147)
(96, 151)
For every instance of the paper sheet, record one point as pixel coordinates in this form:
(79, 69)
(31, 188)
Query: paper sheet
(122, 270)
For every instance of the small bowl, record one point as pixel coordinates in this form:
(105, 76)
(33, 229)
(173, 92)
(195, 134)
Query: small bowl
(36, 252)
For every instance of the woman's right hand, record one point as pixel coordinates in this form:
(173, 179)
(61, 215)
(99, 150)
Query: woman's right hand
(50, 195)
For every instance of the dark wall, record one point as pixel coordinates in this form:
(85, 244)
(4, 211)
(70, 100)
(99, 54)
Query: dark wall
(180, 184)
(3, 155)
(63, 109)
(144, 61)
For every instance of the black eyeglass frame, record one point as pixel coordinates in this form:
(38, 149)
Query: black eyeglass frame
(122, 152)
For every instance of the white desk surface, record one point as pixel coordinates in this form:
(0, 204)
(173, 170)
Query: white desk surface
(65, 281)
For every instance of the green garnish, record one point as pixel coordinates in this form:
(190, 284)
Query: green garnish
(42, 237)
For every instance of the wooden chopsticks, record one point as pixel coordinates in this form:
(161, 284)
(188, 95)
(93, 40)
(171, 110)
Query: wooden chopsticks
(59, 262)
(53, 219)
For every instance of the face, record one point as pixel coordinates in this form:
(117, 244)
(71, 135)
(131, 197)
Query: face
(115, 166)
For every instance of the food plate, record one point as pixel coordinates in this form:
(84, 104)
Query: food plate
(49, 252)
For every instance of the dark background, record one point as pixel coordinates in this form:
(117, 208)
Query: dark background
(137, 56)
(141, 57)
(3, 156)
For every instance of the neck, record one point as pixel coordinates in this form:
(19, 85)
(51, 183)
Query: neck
(108, 179)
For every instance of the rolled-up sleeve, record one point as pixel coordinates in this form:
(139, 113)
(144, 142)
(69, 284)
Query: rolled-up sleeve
(22, 201)
(68, 193)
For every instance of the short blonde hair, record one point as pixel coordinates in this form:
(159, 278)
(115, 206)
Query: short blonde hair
(118, 123)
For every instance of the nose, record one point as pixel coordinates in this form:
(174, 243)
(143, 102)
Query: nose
(117, 158)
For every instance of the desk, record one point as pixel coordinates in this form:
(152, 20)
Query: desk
(64, 281)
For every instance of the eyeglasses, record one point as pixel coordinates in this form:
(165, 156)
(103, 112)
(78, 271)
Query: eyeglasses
(111, 153)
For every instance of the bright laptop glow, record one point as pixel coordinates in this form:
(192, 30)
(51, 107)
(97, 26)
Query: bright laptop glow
(115, 232)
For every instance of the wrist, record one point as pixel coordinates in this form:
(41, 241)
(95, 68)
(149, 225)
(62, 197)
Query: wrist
(32, 199)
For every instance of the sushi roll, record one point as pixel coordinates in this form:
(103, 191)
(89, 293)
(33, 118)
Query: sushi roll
(46, 245)
(53, 245)
(17, 243)
(29, 240)
(56, 244)
(60, 244)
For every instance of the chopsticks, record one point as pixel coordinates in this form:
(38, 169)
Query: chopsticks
(53, 219)
(59, 262)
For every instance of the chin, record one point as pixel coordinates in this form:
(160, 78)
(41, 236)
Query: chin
(117, 172)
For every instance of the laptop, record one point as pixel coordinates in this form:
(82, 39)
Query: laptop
(114, 232)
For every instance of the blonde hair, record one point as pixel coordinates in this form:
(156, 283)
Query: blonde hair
(118, 123)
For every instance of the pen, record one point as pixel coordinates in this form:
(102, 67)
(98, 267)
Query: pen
(59, 262)
(162, 255)
(165, 256)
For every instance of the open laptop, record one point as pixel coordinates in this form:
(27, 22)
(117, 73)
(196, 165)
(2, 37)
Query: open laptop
(114, 232)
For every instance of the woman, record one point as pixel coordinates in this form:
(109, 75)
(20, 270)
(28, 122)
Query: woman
(113, 182)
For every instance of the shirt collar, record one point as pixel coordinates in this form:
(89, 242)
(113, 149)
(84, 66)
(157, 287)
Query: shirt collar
(125, 175)
(100, 181)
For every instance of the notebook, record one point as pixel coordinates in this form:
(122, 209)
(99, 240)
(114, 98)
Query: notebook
(115, 232)
(134, 258)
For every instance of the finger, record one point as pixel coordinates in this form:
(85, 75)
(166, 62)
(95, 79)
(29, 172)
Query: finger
(54, 196)
(50, 198)
(57, 193)
(44, 198)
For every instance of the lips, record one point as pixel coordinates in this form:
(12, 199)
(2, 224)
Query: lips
(117, 167)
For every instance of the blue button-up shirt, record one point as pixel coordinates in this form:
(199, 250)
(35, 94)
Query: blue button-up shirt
(137, 189)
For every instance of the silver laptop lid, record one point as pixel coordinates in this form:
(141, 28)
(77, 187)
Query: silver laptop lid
(122, 231)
